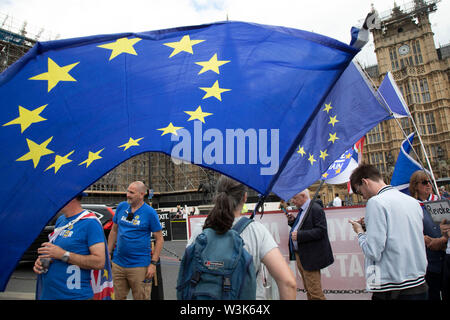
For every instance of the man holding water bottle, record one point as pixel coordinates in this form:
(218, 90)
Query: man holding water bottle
(75, 248)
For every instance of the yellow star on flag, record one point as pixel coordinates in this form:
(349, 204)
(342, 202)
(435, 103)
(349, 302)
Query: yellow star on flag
(214, 91)
(311, 159)
(333, 137)
(26, 117)
(36, 151)
(170, 129)
(333, 120)
(328, 107)
(348, 155)
(60, 161)
(92, 156)
(337, 171)
(301, 151)
(325, 175)
(122, 45)
(185, 44)
(213, 64)
(323, 154)
(55, 74)
(198, 114)
(131, 143)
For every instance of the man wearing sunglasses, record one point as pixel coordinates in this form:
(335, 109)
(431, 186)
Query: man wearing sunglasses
(134, 263)
(392, 244)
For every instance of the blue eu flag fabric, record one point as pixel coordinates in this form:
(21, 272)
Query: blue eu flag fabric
(229, 96)
(350, 110)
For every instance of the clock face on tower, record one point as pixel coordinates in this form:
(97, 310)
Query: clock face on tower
(403, 50)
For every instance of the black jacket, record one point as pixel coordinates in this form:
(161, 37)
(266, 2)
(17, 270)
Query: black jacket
(314, 248)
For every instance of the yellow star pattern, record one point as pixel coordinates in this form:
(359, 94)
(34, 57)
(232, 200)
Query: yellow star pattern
(60, 161)
(213, 64)
(333, 137)
(301, 151)
(122, 45)
(328, 107)
(170, 129)
(323, 154)
(325, 175)
(55, 74)
(185, 44)
(27, 118)
(311, 159)
(333, 120)
(214, 91)
(92, 156)
(198, 114)
(36, 151)
(131, 143)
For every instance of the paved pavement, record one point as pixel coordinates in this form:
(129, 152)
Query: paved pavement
(22, 283)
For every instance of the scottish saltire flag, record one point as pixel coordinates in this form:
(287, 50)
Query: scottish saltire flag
(233, 97)
(341, 169)
(393, 97)
(405, 166)
(347, 113)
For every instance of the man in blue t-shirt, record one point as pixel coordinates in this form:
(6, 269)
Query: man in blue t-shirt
(75, 249)
(134, 263)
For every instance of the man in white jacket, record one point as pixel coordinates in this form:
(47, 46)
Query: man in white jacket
(393, 245)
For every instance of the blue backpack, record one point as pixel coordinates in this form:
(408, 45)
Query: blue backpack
(217, 267)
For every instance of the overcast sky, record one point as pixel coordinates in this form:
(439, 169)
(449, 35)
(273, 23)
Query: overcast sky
(74, 18)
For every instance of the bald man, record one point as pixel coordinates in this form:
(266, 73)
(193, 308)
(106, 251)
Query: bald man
(309, 244)
(134, 263)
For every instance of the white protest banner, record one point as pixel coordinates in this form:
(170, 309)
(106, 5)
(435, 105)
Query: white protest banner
(344, 279)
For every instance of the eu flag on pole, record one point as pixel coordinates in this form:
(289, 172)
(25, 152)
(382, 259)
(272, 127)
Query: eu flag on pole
(228, 96)
(348, 112)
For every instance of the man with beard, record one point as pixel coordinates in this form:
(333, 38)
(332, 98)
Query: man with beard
(134, 263)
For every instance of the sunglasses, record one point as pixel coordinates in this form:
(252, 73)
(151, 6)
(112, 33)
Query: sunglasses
(425, 182)
(130, 215)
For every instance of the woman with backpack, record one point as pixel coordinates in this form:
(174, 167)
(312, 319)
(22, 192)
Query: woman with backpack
(257, 241)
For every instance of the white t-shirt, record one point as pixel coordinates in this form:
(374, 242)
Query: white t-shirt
(258, 242)
(337, 202)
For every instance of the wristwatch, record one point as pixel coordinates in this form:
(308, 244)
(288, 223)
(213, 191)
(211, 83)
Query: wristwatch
(65, 257)
(154, 262)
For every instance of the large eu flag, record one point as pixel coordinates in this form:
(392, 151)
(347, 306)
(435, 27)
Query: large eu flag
(231, 96)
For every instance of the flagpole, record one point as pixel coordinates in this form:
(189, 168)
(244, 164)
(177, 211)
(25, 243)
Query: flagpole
(406, 136)
(426, 156)
(388, 109)
(420, 142)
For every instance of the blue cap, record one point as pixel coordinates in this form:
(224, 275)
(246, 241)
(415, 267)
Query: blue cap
(81, 194)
